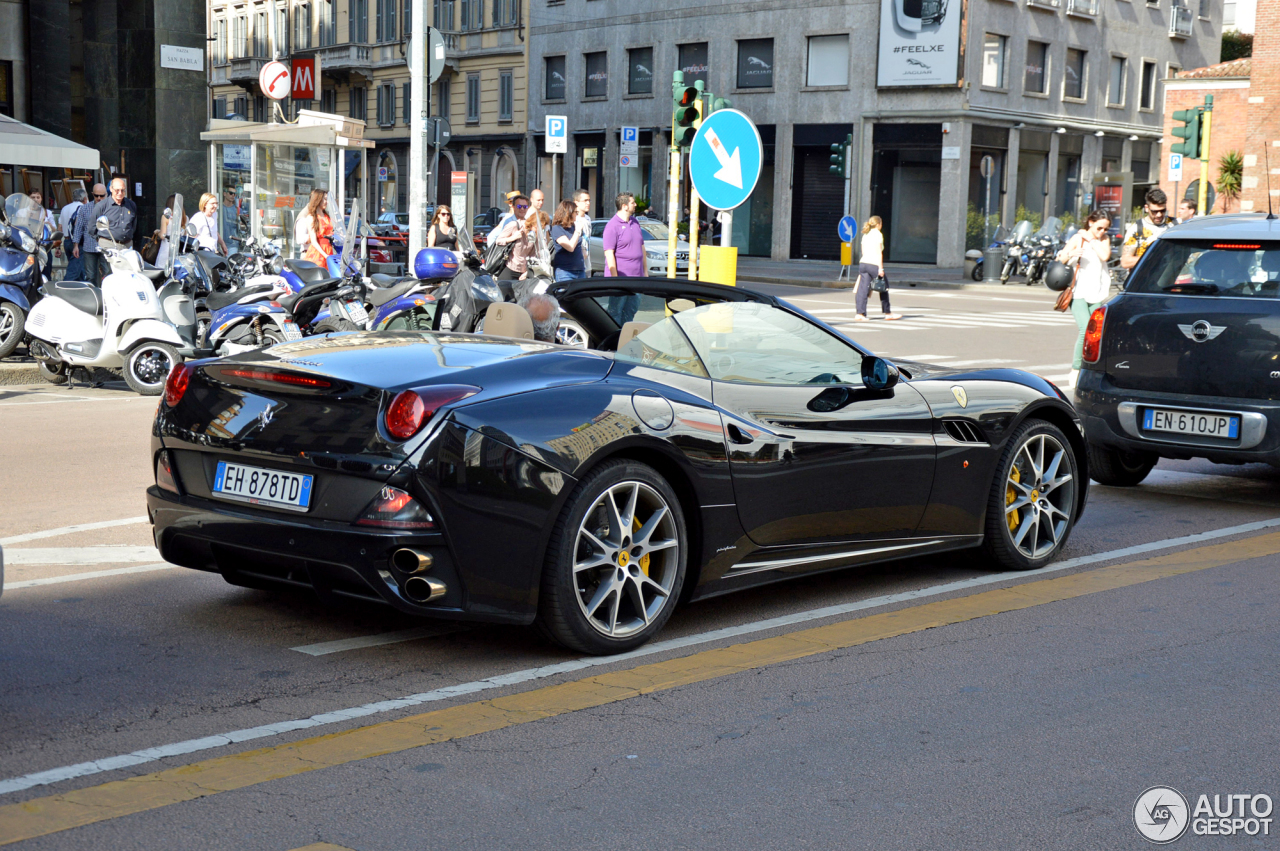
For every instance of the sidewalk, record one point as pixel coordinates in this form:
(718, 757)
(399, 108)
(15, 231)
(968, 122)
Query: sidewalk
(823, 273)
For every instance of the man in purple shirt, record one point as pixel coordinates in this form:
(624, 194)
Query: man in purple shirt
(624, 241)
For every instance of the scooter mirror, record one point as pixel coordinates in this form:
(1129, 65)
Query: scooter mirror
(103, 224)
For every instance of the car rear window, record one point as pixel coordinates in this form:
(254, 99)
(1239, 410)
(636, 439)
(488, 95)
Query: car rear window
(1219, 267)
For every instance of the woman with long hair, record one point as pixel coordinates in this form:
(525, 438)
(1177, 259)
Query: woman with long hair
(870, 267)
(568, 237)
(1088, 250)
(206, 222)
(442, 233)
(318, 228)
(162, 256)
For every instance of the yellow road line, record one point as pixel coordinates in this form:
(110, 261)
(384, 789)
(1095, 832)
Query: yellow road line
(42, 816)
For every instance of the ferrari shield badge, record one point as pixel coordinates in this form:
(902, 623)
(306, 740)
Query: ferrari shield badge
(962, 398)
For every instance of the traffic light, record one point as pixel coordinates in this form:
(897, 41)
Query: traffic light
(688, 117)
(840, 157)
(714, 103)
(1189, 131)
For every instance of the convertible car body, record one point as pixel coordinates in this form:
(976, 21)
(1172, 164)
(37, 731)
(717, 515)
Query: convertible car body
(730, 440)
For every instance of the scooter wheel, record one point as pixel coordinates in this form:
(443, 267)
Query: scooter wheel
(52, 373)
(976, 274)
(12, 320)
(334, 325)
(147, 367)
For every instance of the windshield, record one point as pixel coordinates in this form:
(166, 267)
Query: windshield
(655, 230)
(1052, 227)
(1209, 267)
(348, 245)
(1022, 230)
(336, 219)
(22, 212)
(175, 232)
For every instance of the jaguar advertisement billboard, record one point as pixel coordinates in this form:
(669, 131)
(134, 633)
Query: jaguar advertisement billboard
(919, 43)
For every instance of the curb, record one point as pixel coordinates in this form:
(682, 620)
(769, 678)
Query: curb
(893, 284)
(23, 373)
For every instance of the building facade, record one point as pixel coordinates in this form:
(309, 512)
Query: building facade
(1053, 91)
(362, 47)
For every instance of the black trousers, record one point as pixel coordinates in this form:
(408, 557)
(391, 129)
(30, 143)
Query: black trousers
(867, 272)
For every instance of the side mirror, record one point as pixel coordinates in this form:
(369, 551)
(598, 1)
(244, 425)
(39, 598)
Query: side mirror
(103, 224)
(878, 373)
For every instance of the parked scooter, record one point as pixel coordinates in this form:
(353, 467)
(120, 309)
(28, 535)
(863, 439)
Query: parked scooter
(1015, 251)
(127, 324)
(1042, 247)
(24, 242)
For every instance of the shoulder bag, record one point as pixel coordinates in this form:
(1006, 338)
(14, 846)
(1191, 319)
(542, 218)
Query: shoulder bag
(1063, 304)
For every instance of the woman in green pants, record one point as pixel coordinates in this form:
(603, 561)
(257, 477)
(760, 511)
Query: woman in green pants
(1089, 250)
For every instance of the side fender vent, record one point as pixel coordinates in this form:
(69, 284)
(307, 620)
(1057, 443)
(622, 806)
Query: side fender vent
(964, 431)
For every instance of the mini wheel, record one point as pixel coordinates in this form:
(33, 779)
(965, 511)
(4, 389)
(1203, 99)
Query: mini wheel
(1119, 469)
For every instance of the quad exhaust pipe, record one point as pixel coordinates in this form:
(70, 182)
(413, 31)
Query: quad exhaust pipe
(418, 588)
(411, 561)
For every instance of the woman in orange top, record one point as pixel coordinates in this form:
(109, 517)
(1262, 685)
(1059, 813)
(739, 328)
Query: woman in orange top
(320, 229)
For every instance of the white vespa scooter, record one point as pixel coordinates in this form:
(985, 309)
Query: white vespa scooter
(123, 325)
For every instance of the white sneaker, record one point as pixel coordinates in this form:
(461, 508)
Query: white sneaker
(1075, 373)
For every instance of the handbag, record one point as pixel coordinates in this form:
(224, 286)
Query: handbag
(151, 248)
(880, 285)
(1063, 304)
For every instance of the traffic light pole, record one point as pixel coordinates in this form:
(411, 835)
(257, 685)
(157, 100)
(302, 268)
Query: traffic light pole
(1203, 198)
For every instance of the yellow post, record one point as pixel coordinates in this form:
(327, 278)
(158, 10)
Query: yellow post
(846, 254)
(1207, 120)
(719, 265)
(693, 233)
(673, 208)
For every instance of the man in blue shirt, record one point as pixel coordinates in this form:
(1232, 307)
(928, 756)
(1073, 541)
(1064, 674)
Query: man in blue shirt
(84, 244)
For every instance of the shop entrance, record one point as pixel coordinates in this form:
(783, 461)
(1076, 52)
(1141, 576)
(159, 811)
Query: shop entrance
(817, 195)
(906, 178)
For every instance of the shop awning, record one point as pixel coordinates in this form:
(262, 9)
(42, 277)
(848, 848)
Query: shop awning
(338, 134)
(21, 144)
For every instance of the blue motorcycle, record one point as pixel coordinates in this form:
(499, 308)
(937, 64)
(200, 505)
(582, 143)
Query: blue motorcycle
(409, 305)
(22, 257)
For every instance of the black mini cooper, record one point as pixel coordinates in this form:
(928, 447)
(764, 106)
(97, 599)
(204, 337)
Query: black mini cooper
(1185, 363)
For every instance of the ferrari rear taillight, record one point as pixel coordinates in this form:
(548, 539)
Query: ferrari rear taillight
(1093, 335)
(289, 378)
(166, 479)
(395, 509)
(176, 384)
(410, 410)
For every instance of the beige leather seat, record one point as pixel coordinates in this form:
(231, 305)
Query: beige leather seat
(629, 332)
(678, 304)
(508, 320)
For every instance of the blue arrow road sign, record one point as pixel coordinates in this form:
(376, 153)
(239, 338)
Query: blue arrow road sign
(848, 227)
(725, 159)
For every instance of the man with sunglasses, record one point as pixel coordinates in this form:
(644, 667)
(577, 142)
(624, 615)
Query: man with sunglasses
(1139, 235)
(514, 233)
(84, 244)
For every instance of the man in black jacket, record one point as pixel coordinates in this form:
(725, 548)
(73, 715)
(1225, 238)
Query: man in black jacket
(121, 215)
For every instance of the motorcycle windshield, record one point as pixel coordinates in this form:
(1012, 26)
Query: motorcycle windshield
(174, 234)
(1022, 230)
(22, 212)
(348, 245)
(1051, 228)
(1001, 234)
(465, 245)
(336, 219)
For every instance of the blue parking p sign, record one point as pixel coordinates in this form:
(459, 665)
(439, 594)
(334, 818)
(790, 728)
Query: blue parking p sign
(557, 134)
(847, 228)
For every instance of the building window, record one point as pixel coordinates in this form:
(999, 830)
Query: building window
(444, 99)
(298, 106)
(755, 63)
(828, 61)
(386, 20)
(993, 53)
(473, 98)
(358, 22)
(555, 77)
(1073, 82)
(259, 108)
(443, 15)
(1037, 74)
(328, 23)
(506, 95)
(472, 15)
(640, 71)
(302, 26)
(220, 41)
(1115, 82)
(219, 107)
(1204, 9)
(242, 107)
(1148, 97)
(693, 62)
(597, 74)
(239, 37)
(504, 13)
(386, 105)
(260, 34)
(405, 93)
(357, 105)
(328, 100)
(6, 88)
(282, 31)
(1229, 14)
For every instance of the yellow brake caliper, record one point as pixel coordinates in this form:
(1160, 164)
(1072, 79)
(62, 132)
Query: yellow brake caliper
(644, 559)
(1010, 495)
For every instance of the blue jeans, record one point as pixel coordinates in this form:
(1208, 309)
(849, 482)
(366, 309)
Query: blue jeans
(568, 275)
(75, 269)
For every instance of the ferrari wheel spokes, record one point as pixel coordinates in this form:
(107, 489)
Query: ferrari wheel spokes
(1040, 492)
(625, 560)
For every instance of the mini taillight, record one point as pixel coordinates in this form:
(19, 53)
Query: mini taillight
(176, 384)
(166, 479)
(1093, 335)
(395, 509)
(410, 410)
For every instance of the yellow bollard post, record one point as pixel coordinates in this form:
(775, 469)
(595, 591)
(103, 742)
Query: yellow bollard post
(719, 265)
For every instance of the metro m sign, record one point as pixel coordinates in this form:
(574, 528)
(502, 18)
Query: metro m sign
(304, 79)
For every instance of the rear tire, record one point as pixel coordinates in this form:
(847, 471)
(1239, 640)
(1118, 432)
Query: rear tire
(272, 337)
(1032, 505)
(334, 325)
(1119, 469)
(147, 367)
(615, 564)
(12, 322)
(204, 320)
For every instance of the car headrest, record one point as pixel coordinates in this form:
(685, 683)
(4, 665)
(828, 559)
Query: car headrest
(678, 304)
(503, 319)
(629, 331)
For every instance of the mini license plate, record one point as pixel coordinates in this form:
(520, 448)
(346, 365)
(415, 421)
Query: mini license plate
(1192, 422)
(356, 311)
(263, 487)
(291, 331)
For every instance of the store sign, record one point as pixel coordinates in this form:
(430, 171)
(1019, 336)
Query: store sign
(590, 157)
(919, 43)
(304, 79)
(182, 58)
(235, 157)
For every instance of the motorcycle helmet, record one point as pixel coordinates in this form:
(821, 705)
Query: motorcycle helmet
(1058, 276)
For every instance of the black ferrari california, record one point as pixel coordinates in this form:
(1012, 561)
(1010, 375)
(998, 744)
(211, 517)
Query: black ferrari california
(709, 439)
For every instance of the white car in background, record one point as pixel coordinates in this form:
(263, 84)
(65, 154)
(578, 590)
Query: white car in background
(655, 247)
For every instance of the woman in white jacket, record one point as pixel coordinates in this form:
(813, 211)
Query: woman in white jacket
(1089, 250)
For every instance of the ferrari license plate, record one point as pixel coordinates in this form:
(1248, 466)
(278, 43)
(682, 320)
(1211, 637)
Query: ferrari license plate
(1198, 423)
(263, 487)
(356, 311)
(291, 331)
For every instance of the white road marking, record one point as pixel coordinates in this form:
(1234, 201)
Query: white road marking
(69, 530)
(92, 574)
(84, 769)
(14, 403)
(325, 648)
(81, 555)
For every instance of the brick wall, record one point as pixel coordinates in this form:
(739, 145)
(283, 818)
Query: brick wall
(1264, 112)
(1230, 120)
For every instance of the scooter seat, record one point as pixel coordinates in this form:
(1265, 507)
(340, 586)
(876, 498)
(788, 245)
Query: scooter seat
(154, 274)
(381, 280)
(383, 295)
(79, 295)
(320, 287)
(219, 300)
(306, 270)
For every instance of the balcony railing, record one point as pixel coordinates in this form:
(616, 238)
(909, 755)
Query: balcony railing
(245, 70)
(346, 57)
(1087, 8)
(1180, 18)
(218, 75)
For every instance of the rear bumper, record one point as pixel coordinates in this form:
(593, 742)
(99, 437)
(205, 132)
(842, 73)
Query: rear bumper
(1110, 417)
(348, 563)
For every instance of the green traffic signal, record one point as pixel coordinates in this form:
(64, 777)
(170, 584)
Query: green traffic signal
(688, 118)
(839, 164)
(1189, 132)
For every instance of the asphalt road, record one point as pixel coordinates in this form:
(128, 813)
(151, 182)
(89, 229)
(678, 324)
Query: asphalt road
(917, 704)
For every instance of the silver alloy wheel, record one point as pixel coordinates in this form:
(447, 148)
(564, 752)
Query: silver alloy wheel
(571, 335)
(8, 323)
(626, 559)
(1039, 497)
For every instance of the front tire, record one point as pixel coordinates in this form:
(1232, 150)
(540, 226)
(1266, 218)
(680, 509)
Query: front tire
(1032, 505)
(12, 322)
(1119, 469)
(616, 561)
(148, 365)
